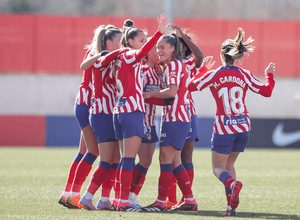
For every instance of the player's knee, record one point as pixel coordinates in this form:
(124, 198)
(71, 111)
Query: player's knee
(217, 171)
(146, 162)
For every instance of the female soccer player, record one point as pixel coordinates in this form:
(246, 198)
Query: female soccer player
(176, 123)
(192, 57)
(152, 75)
(129, 108)
(228, 85)
(101, 118)
(81, 165)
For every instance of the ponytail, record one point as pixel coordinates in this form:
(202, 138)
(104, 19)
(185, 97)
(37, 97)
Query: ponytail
(101, 35)
(174, 41)
(233, 50)
(100, 43)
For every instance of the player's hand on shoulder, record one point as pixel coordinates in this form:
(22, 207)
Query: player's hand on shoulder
(270, 68)
(208, 62)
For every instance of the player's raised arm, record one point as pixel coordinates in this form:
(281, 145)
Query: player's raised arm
(267, 89)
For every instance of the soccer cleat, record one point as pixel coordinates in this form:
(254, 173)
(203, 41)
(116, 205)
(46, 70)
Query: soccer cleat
(114, 205)
(86, 204)
(231, 212)
(104, 205)
(186, 206)
(234, 200)
(170, 204)
(126, 207)
(155, 207)
(177, 205)
(62, 201)
(72, 202)
(135, 204)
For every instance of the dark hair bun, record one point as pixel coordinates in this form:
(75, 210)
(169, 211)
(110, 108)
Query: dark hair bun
(128, 23)
(104, 52)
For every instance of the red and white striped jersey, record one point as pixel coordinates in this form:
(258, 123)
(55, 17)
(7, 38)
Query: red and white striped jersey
(84, 95)
(191, 65)
(129, 78)
(104, 89)
(129, 82)
(228, 85)
(152, 82)
(176, 73)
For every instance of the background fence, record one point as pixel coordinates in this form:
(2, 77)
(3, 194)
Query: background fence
(40, 75)
(55, 44)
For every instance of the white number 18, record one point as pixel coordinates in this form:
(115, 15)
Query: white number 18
(233, 99)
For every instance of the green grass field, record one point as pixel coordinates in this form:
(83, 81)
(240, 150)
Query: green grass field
(32, 179)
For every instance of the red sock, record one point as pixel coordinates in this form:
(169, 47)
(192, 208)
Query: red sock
(98, 177)
(126, 169)
(183, 181)
(138, 179)
(71, 176)
(125, 183)
(117, 184)
(164, 181)
(228, 182)
(191, 175)
(109, 181)
(228, 197)
(82, 172)
(172, 190)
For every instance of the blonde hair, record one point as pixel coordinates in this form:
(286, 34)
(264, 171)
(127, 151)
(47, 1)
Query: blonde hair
(101, 35)
(233, 50)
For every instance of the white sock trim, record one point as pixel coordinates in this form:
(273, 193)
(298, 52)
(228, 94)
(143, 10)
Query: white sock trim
(189, 199)
(88, 195)
(231, 185)
(162, 201)
(74, 194)
(123, 200)
(229, 207)
(65, 193)
(104, 199)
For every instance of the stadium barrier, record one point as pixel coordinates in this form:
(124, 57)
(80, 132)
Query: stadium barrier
(51, 44)
(56, 131)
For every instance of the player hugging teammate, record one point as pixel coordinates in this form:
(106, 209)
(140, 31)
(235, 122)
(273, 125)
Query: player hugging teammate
(128, 85)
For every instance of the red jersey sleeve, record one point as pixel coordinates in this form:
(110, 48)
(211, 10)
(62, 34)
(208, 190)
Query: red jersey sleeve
(105, 60)
(266, 90)
(147, 46)
(192, 85)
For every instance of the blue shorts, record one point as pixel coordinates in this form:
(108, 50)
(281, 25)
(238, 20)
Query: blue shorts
(150, 134)
(174, 133)
(82, 115)
(102, 126)
(129, 124)
(226, 143)
(193, 133)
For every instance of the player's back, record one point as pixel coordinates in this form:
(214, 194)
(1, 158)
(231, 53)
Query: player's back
(229, 87)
